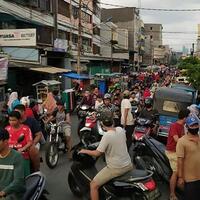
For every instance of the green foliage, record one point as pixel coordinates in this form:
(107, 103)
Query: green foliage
(192, 65)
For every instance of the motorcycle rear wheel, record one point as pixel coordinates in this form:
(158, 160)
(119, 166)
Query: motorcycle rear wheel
(51, 155)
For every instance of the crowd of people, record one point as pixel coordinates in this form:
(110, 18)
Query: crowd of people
(118, 111)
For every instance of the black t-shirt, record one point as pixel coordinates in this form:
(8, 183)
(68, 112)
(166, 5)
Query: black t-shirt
(151, 115)
(33, 124)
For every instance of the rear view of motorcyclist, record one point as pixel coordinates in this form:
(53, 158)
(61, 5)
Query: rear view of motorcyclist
(149, 113)
(118, 162)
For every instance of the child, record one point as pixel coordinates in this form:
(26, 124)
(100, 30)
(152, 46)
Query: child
(16, 129)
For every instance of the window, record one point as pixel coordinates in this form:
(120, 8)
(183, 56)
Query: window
(86, 17)
(64, 8)
(44, 35)
(171, 106)
(75, 39)
(96, 49)
(151, 28)
(96, 30)
(86, 41)
(151, 36)
(75, 12)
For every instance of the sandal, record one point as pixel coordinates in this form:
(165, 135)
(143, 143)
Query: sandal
(173, 197)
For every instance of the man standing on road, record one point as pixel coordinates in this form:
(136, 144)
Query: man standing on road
(127, 120)
(176, 131)
(188, 153)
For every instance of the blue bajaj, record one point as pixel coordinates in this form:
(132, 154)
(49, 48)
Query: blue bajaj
(168, 102)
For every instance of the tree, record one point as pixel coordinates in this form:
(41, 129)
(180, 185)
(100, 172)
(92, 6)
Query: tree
(192, 65)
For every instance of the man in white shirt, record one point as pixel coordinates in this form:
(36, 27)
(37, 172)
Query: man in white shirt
(127, 120)
(113, 145)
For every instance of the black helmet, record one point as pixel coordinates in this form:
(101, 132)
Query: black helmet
(107, 119)
(148, 102)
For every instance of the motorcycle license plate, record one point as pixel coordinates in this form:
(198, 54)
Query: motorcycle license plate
(152, 195)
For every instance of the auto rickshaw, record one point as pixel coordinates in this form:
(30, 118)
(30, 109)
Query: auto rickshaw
(188, 89)
(168, 102)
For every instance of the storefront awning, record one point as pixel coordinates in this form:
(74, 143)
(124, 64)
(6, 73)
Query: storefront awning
(50, 70)
(73, 75)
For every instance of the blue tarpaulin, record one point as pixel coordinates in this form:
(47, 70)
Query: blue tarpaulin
(73, 75)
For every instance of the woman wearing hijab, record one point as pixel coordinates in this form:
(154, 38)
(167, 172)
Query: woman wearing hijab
(13, 101)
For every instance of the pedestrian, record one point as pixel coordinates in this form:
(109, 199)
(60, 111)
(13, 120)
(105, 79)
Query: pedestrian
(176, 131)
(188, 153)
(127, 120)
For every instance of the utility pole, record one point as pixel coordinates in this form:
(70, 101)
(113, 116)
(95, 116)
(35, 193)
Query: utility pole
(55, 13)
(79, 38)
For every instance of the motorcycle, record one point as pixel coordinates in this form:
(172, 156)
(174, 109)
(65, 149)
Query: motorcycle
(136, 184)
(34, 186)
(92, 131)
(82, 114)
(56, 144)
(143, 127)
(151, 154)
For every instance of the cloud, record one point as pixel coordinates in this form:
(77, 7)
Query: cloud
(171, 21)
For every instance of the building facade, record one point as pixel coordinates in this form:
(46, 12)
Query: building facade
(56, 23)
(128, 18)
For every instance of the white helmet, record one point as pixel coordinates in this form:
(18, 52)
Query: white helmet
(25, 101)
(193, 109)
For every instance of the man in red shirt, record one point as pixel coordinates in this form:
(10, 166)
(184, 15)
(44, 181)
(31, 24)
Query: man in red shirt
(15, 130)
(176, 131)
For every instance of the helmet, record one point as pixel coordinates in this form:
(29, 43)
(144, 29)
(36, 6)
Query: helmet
(107, 119)
(107, 96)
(25, 101)
(148, 102)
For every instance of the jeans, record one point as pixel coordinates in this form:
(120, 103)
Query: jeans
(129, 132)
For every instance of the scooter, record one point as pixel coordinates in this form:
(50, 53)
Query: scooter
(34, 186)
(151, 154)
(136, 184)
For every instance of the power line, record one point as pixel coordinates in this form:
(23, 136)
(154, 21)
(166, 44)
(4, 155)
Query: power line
(154, 9)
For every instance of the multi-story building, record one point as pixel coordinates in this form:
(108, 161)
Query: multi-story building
(56, 23)
(198, 43)
(153, 42)
(128, 18)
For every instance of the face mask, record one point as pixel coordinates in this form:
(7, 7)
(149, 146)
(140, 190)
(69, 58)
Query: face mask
(193, 131)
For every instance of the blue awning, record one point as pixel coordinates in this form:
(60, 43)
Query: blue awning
(73, 75)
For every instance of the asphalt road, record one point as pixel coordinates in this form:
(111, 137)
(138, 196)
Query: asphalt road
(57, 184)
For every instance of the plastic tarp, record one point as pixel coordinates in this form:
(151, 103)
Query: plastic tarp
(73, 75)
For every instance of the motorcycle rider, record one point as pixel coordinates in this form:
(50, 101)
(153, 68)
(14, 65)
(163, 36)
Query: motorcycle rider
(37, 135)
(61, 115)
(107, 106)
(12, 185)
(113, 145)
(149, 113)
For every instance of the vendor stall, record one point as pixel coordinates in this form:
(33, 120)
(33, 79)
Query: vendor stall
(44, 87)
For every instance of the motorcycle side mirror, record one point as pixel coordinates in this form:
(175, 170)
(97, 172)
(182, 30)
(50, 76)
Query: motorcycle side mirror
(21, 138)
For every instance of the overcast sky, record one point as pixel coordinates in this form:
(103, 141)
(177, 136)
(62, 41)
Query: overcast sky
(172, 21)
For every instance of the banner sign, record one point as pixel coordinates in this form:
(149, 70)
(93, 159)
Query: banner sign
(17, 37)
(3, 69)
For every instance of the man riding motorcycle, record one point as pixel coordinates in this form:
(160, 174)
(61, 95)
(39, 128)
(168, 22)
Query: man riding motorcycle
(107, 106)
(149, 113)
(113, 145)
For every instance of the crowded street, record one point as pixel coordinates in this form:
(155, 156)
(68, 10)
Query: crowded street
(99, 100)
